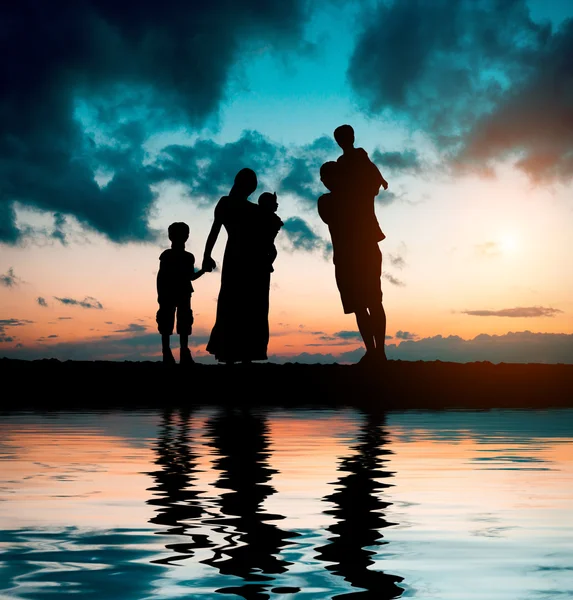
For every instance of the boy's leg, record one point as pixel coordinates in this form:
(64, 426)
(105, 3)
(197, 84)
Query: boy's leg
(165, 321)
(184, 329)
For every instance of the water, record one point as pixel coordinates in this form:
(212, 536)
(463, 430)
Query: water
(208, 503)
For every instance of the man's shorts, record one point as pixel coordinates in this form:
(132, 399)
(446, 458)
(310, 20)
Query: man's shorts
(166, 317)
(358, 278)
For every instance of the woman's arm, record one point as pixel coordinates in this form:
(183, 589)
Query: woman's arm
(208, 263)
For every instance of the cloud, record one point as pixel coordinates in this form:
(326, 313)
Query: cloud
(338, 338)
(406, 161)
(6, 323)
(397, 261)
(393, 280)
(405, 335)
(488, 249)
(302, 237)
(481, 92)
(87, 302)
(9, 279)
(303, 176)
(42, 301)
(132, 328)
(207, 169)
(519, 347)
(93, 81)
(146, 346)
(59, 234)
(65, 318)
(519, 311)
(52, 336)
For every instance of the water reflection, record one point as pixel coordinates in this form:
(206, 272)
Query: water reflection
(251, 552)
(489, 494)
(179, 503)
(358, 525)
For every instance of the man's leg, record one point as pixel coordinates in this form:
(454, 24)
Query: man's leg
(378, 321)
(364, 322)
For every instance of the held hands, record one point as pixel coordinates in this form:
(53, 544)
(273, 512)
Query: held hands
(208, 264)
(385, 184)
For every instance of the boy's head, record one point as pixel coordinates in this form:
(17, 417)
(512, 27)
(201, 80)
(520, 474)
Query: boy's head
(344, 136)
(329, 175)
(268, 201)
(178, 232)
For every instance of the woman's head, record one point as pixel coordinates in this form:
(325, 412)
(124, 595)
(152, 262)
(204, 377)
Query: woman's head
(245, 183)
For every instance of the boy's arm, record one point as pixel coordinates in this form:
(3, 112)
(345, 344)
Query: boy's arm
(197, 274)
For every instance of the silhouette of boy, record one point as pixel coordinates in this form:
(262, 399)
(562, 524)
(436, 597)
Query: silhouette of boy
(357, 263)
(174, 289)
(271, 225)
(361, 181)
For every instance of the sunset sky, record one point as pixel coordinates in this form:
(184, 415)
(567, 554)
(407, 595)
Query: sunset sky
(120, 118)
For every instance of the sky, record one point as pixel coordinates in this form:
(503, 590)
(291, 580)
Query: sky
(117, 121)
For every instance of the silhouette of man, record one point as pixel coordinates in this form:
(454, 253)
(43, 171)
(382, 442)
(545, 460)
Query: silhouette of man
(174, 289)
(360, 180)
(357, 262)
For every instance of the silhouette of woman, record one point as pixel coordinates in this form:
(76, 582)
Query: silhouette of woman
(241, 330)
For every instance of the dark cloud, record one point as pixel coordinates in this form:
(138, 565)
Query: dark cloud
(88, 66)
(145, 346)
(519, 311)
(9, 279)
(405, 161)
(302, 237)
(207, 169)
(87, 302)
(60, 223)
(6, 323)
(405, 335)
(41, 301)
(348, 335)
(65, 318)
(482, 79)
(132, 328)
(338, 338)
(52, 336)
(519, 347)
(393, 280)
(303, 177)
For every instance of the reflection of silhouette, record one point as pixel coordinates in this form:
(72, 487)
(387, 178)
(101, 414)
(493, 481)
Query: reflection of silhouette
(348, 210)
(253, 543)
(359, 522)
(177, 503)
(241, 330)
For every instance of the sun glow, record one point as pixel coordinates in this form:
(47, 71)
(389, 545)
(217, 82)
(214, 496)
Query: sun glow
(509, 243)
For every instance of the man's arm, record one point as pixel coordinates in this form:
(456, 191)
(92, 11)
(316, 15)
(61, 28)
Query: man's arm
(373, 175)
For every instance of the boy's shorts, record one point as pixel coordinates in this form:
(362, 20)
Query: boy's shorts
(358, 278)
(166, 317)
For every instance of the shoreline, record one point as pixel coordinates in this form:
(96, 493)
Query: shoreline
(50, 384)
